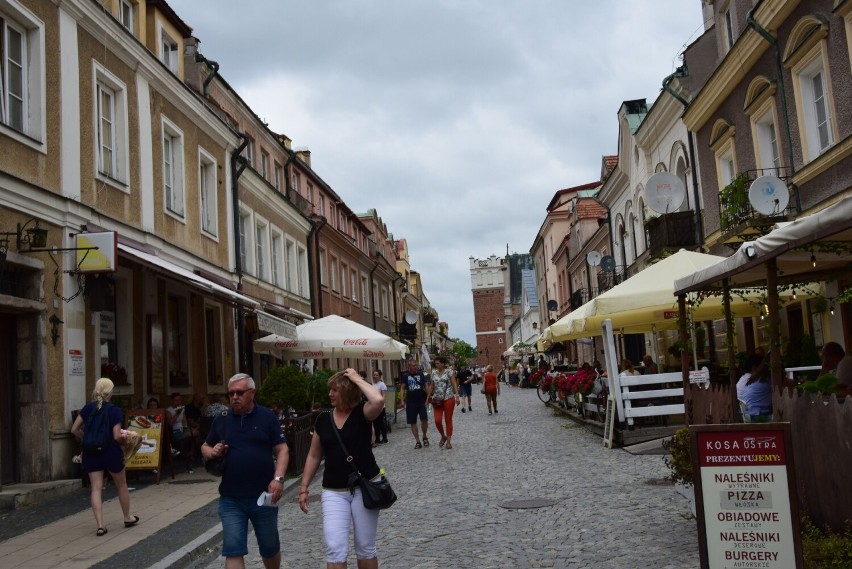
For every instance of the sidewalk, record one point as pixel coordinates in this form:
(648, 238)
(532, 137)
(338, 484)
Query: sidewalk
(70, 542)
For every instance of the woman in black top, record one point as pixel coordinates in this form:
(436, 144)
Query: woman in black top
(340, 504)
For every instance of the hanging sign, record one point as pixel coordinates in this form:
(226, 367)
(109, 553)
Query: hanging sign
(745, 496)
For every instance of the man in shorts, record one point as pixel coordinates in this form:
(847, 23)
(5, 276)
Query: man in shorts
(466, 379)
(249, 441)
(415, 386)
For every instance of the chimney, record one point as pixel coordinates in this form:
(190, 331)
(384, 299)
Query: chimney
(304, 156)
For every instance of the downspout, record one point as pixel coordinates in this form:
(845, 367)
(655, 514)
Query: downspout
(316, 299)
(682, 71)
(215, 71)
(774, 43)
(238, 164)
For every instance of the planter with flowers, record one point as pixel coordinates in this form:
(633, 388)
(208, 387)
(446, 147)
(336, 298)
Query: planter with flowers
(581, 383)
(535, 377)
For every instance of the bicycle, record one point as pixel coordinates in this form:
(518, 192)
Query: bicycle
(549, 395)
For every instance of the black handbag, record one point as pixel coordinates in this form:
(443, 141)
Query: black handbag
(376, 495)
(216, 466)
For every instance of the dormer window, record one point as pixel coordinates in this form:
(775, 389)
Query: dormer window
(169, 51)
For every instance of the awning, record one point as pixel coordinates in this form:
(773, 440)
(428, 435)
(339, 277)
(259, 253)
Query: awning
(796, 248)
(186, 276)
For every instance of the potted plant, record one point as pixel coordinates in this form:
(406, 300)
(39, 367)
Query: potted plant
(679, 462)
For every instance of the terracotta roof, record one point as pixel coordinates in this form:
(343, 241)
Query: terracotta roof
(590, 209)
(561, 196)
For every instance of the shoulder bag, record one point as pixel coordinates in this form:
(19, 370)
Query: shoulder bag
(376, 495)
(216, 466)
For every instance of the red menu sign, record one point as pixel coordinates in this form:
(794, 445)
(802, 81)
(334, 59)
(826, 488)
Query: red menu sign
(744, 483)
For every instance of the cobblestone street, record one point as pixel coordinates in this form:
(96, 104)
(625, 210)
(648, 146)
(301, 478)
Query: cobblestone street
(609, 508)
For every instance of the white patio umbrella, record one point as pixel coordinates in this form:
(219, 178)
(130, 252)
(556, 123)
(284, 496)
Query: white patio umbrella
(332, 337)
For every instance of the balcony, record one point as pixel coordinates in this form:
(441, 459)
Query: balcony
(739, 221)
(608, 279)
(671, 232)
(300, 203)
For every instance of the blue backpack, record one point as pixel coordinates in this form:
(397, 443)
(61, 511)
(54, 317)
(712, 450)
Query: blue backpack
(97, 434)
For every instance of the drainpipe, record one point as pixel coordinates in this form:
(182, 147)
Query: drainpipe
(215, 71)
(238, 164)
(682, 71)
(313, 251)
(774, 43)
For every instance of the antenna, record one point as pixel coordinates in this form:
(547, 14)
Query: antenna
(768, 195)
(664, 192)
(593, 258)
(608, 263)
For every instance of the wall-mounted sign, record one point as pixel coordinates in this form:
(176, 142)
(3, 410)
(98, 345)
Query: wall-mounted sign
(745, 496)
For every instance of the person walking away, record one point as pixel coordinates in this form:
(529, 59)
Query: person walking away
(444, 397)
(342, 504)
(465, 379)
(491, 388)
(108, 456)
(248, 437)
(414, 385)
(380, 426)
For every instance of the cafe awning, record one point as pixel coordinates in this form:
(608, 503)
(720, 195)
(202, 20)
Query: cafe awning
(186, 276)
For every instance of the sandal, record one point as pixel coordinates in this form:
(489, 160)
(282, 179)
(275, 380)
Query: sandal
(449, 446)
(132, 523)
(425, 441)
(443, 441)
(101, 532)
(418, 445)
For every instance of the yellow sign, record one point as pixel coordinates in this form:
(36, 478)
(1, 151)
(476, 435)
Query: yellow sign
(148, 423)
(96, 252)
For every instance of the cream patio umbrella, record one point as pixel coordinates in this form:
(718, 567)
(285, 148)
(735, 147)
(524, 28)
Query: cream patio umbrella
(646, 301)
(333, 337)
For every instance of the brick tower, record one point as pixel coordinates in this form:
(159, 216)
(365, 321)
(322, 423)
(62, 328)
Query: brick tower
(488, 278)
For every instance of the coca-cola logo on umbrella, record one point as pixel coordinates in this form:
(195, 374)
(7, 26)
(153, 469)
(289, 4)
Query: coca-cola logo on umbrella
(373, 354)
(355, 342)
(285, 343)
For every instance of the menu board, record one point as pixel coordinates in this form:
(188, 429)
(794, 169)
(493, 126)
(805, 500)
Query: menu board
(744, 480)
(149, 423)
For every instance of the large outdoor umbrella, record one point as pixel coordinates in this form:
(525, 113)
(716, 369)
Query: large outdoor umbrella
(646, 301)
(332, 337)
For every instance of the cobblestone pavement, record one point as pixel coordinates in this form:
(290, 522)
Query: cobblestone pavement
(609, 508)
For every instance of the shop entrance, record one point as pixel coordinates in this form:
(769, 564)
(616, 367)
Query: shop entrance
(9, 416)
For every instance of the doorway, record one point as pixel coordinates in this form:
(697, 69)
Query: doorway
(9, 418)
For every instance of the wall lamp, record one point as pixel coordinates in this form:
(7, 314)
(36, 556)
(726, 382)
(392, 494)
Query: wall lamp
(35, 237)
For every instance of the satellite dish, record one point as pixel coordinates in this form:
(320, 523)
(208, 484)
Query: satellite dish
(664, 192)
(552, 305)
(768, 195)
(608, 263)
(593, 258)
(411, 317)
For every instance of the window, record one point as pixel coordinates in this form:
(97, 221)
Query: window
(384, 302)
(169, 51)
(322, 204)
(767, 142)
(310, 193)
(177, 341)
(333, 272)
(260, 244)
(365, 292)
(323, 277)
(22, 69)
(213, 344)
(279, 176)
(292, 269)
(354, 282)
(250, 152)
(125, 14)
(722, 144)
(245, 222)
(207, 191)
(342, 225)
(729, 30)
(277, 260)
(376, 298)
(173, 168)
(344, 277)
(806, 56)
(264, 165)
(111, 133)
(303, 273)
(296, 182)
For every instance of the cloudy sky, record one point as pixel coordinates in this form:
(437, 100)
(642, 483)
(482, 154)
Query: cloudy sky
(456, 120)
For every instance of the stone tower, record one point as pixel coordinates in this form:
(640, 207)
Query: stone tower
(488, 279)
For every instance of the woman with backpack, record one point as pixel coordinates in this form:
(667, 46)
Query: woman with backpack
(98, 427)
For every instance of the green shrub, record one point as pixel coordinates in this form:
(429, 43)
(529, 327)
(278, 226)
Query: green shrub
(679, 460)
(284, 387)
(825, 384)
(826, 549)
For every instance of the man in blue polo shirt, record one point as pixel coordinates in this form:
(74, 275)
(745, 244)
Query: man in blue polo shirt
(415, 387)
(248, 439)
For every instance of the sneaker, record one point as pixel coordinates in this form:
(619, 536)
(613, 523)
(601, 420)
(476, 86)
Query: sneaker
(462, 409)
(469, 408)
(495, 410)
(489, 414)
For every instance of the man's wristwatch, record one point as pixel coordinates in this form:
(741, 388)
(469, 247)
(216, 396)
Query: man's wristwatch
(279, 479)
